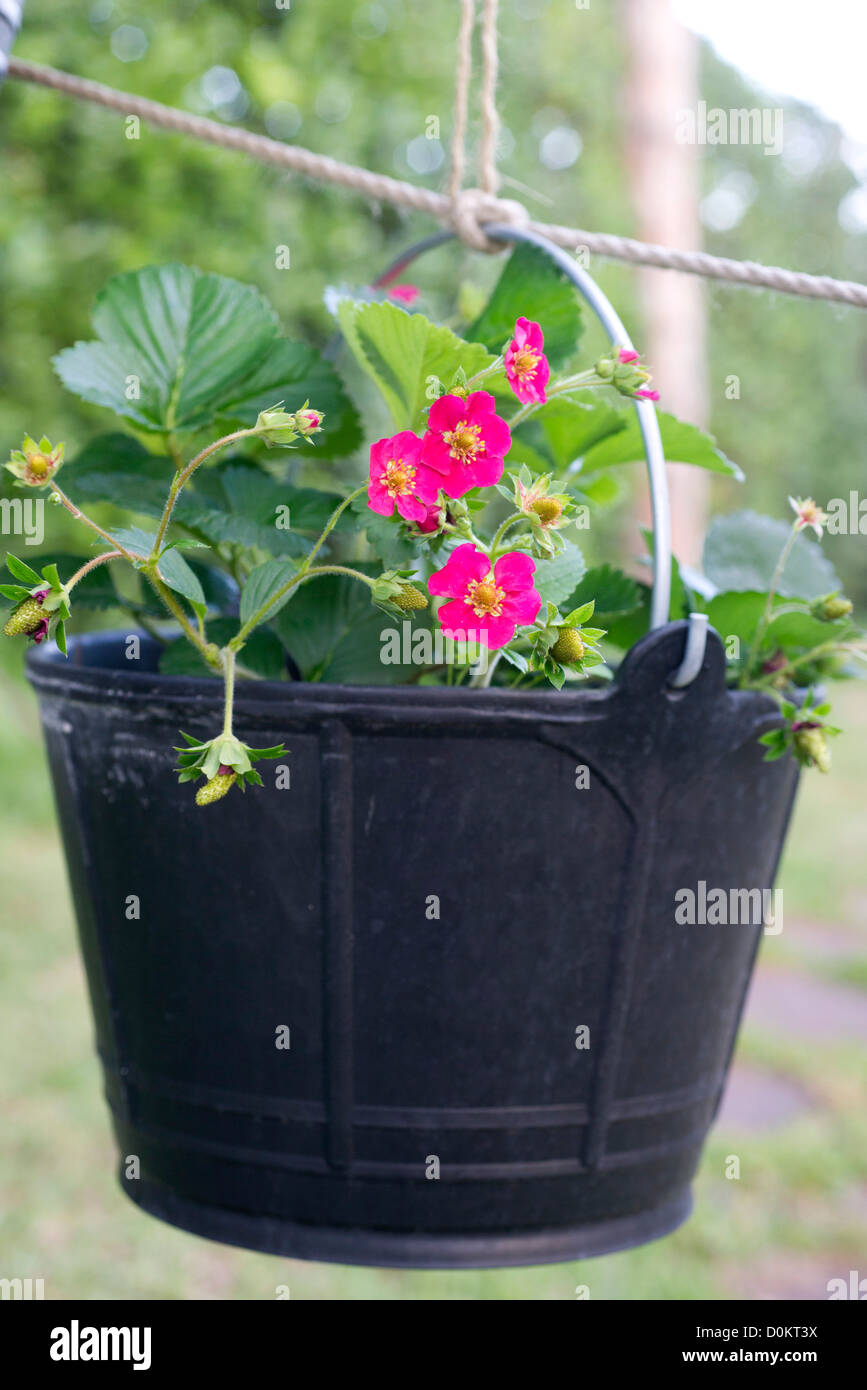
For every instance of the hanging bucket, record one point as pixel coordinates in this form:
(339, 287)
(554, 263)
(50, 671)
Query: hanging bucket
(430, 1006)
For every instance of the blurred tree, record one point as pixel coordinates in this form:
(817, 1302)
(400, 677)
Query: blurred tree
(367, 82)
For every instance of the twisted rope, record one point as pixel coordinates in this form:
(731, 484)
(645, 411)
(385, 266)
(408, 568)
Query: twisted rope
(488, 177)
(477, 206)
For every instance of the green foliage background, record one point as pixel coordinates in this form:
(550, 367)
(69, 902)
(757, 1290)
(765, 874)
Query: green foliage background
(361, 82)
(80, 202)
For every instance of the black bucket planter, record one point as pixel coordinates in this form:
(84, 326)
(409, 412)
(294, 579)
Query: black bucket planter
(417, 1043)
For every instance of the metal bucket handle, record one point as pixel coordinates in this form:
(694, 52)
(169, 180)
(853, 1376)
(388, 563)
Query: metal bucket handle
(647, 421)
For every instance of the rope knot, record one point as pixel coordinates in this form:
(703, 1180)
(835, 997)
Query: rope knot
(472, 208)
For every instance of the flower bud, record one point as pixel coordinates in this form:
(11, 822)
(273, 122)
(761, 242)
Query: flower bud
(276, 426)
(605, 367)
(308, 421)
(569, 646)
(829, 609)
(216, 788)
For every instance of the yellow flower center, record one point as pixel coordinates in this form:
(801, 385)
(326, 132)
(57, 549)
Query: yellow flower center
(547, 509)
(525, 362)
(38, 464)
(464, 442)
(399, 478)
(485, 598)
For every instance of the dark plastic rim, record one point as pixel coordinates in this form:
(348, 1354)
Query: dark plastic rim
(409, 1250)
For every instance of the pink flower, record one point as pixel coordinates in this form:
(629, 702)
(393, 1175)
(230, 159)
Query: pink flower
(808, 514)
(526, 364)
(486, 605)
(406, 294)
(647, 395)
(627, 355)
(399, 477)
(466, 442)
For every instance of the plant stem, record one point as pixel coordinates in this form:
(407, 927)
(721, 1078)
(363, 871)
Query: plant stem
(240, 637)
(486, 371)
(228, 656)
(570, 383)
(182, 477)
(80, 516)
(209, 652)
(332, 522)
(483, 679)
(92, 564)
(762, 627)
(824, 649)
(510, 521)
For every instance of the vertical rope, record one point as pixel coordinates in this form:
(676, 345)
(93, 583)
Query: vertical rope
(463, 73)
(488, 177)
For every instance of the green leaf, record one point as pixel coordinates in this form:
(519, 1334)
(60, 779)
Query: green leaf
(681, 442)
(16, 592)
(172, 346)
(406, 355)
(262, 584)
(333, 633)
(117, 468)
(238, 503)
(176, 349)
(737, 615)
(295, 374)
(533, 287)
(134, 539)
(741, 552)
(556, 579)
(174, 571)
(801, 632)
(562, 431)
(616, 595)
(23, 572)
(389, 541)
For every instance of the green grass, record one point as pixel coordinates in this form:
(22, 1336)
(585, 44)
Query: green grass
(799, 1203)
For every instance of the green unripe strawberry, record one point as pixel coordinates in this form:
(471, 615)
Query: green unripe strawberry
(216, 788)
(547, 509)
(409, 598)
(812, 745)
(569, 646)
(27, 620)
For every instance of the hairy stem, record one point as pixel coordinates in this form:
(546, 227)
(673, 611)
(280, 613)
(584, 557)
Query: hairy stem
(510, 521)
(92, 564)
(209, 652)
(495, 366)
(762, 626)
(581, 382)
(228, 656)
(241, 636)
(332, 522)
(182, 477)
(80, 516)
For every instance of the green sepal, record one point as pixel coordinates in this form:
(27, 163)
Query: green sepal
(23, 572)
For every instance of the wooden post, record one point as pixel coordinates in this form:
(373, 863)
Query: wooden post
(661, 81)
